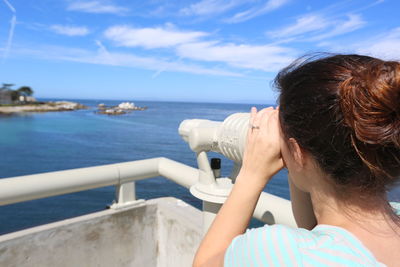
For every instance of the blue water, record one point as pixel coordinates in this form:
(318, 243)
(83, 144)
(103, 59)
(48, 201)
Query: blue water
(43, 142)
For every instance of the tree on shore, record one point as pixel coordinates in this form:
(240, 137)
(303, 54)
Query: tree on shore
(25, 90)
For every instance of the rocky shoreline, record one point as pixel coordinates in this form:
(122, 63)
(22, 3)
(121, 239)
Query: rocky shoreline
(41, 107)
(123, 108)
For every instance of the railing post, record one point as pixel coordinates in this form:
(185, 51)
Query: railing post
(211, 190)
(125, 195)
(125, 192)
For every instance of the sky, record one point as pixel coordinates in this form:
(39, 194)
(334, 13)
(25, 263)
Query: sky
(174, 50)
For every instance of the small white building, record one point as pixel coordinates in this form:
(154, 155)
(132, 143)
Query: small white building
(29, 99)
(126, 105)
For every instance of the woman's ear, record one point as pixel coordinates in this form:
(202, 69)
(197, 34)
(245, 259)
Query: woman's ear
(297, 153)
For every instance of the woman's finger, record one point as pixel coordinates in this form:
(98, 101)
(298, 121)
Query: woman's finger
(253, 112)
(260, 116)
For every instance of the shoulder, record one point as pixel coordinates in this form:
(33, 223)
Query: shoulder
(339, 247)
(280, 245)
(275, 245)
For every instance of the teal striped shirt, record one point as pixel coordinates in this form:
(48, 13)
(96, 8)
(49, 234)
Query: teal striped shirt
(279, 245)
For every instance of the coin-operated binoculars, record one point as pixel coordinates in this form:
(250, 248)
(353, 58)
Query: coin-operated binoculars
(227, 138)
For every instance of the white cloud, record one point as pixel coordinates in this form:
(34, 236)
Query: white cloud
(150, 37)
(269, 6)
(353, 22)
(188, 45)
(13, 10)
(304, 24)
(70, 30)
(97, 7)
(316, 27)
(207, 7)
(10, 37)
(386, 46)
(103, 57)
(256, 57)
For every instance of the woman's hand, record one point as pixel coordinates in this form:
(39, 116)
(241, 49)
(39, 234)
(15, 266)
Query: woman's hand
(262, 156)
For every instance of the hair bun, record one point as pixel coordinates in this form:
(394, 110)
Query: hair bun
(370, 102)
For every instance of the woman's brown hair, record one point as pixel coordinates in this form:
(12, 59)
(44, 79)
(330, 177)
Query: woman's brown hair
(345, 111)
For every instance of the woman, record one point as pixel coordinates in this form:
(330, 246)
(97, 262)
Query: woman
(337, 131)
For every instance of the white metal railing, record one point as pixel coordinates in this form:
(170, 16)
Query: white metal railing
(270, 209)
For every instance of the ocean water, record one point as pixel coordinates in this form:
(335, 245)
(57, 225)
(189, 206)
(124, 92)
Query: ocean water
(43, 142)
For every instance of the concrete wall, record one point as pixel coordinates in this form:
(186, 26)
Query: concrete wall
(159, 232)
(179, 238)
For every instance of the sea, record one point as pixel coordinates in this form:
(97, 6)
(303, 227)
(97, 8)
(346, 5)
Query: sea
(43, 142)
